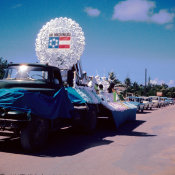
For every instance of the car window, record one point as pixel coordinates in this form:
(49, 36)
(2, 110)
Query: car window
(24, 72)
(56, 77)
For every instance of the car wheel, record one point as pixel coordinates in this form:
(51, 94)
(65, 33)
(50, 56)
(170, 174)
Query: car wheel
(89, 120)
(138, 110)
(35, 134)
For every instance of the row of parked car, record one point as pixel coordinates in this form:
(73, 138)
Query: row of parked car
(145, 103)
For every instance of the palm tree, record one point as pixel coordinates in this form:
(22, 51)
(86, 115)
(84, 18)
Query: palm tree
(135, 88)
(112, 78)
(127, 82)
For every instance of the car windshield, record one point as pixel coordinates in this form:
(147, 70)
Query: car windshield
(25, 72)
(137, 100)
(154, 98)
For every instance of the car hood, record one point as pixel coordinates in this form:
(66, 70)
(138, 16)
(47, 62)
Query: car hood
(20, 83)
(134, 103)
(37, 86)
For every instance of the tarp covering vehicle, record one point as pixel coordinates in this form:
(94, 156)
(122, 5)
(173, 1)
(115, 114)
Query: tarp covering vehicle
(36, 103)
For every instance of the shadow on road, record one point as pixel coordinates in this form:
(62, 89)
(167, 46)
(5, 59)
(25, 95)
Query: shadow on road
(144, 112)
(67, 143)
(147, 111)
(128, 129)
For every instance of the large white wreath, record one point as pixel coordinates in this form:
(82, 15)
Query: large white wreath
(48, 47)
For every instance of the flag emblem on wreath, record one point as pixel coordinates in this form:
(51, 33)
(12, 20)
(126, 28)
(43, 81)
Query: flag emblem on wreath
(59, 41)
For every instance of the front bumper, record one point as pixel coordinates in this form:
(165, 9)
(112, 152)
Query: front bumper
(13, 120)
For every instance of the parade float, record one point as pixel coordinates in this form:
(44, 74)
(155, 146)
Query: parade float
(36, 99)
(67, 57)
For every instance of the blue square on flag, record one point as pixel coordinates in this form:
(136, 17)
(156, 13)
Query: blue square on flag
(53, 42)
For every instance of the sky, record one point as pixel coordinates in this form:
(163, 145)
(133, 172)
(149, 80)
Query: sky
(123, 36)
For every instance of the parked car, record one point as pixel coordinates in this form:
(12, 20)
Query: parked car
(171, 101)
(165, 101)
(156, 101)
(137, 101)
(148, 104)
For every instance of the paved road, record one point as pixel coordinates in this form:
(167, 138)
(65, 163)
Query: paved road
(144, 147)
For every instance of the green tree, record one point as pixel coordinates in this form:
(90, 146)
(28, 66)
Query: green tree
(127, 82)
(135, 88)
(3, 65)
(164, 86)
(140, 90)
(112, 78)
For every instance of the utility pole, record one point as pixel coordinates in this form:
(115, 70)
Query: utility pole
(145, 77)
(149, 81)
(145, 80)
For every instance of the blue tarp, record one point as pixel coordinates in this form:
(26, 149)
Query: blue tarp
(39, 104)
(49, 107)
(74, 97)
(121, 117)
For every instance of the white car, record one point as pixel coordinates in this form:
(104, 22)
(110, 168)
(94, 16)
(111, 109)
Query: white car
(156, 101)
(165, 101)
(148, 104)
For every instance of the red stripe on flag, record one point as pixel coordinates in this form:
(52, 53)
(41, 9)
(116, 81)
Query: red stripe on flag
(64, 46)
(64, 38)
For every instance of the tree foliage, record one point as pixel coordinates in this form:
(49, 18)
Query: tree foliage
(128, 82)
(151, 90)
(140, 90)
(3, 65)
(112, 78)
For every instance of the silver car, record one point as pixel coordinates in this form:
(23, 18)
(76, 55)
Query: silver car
(148, 104)
(156, 101)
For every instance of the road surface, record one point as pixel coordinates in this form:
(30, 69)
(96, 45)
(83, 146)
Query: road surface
(144, 147)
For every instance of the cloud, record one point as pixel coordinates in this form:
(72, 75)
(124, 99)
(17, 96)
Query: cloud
(163, 17)
(133, 10)
(16, 6)
(141, 11)
(156, 81)
(92, 11)
(171, 83)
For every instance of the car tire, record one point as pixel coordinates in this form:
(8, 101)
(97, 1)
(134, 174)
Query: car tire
(138, 110)
(89, 120)
(35, 134)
